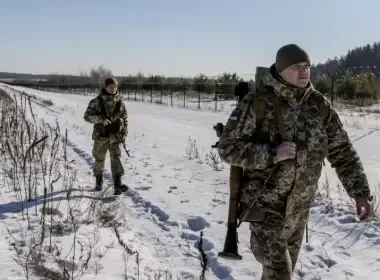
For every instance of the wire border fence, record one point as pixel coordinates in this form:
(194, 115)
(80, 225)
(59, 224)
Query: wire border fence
(201, 92)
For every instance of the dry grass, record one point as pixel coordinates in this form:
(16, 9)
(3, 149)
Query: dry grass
(34, 156)
(57, 236)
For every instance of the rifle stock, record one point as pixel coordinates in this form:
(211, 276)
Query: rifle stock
(230, 250)
(238, 211)
(241, 211)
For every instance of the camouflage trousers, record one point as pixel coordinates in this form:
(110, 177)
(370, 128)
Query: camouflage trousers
(99, 153)
(276, 242)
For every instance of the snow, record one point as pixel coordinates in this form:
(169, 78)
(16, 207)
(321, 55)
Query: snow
(175, 195)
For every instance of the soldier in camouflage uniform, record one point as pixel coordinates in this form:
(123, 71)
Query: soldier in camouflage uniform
(108, 113)
(282, 168)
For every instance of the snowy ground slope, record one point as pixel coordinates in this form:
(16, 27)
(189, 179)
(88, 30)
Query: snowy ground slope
(174, 197)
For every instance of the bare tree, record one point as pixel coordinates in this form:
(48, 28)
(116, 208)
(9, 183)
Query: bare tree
(100, 73)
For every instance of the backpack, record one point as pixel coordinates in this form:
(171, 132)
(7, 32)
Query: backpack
(262, 97)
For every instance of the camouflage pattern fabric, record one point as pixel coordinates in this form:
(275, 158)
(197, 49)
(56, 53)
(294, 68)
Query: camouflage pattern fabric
(107, 138)
(276, 243)
(99, 153)
(315, 127)
(116, 111)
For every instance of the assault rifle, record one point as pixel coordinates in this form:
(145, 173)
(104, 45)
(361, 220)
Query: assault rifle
(235, 213)
(230, 250)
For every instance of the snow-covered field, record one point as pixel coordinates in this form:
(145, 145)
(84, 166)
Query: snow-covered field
(174, 196)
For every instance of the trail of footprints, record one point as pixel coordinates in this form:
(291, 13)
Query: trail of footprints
(322, 248)
(190, 232)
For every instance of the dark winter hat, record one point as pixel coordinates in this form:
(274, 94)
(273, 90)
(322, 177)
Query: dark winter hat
(110, 81)
(288, 55)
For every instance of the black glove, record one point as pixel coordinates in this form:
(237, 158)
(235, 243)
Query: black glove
(114, 127)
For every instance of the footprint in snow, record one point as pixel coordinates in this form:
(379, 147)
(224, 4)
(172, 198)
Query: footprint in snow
(309, 248)
(370, 235)
(222, 192)
(218, 183)
(207, 245)
(143, 188)
(220, 271)
(197, 223)
(218, 201)
(327, 261)
(347, 220)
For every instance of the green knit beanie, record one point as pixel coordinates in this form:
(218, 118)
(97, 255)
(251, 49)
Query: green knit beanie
(110, 81)
(288, 55)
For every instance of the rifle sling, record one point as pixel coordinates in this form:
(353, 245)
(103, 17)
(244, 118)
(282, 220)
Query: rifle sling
(280, 119)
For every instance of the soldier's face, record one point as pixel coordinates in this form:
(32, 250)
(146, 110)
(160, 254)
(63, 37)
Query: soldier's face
(111, 89)
(297, 74)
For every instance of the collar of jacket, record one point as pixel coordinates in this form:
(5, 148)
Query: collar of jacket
(109, 97)
(288, 93)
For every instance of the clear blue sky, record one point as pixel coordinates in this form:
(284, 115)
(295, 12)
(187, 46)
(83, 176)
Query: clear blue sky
(176, 37)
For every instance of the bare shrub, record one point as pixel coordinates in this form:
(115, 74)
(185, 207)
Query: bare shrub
(192, 150)
(324, 193)
(45, 101)
(376, 201)
(35, 161)
(213, 159)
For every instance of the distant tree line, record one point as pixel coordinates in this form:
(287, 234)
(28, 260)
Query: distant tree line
(351, 76)
(355, 75)
(222, 84)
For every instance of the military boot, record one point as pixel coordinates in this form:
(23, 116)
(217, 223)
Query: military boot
(118, 186)
(99, 182)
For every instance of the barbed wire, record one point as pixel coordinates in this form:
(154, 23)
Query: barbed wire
(350, 70)
(232, 78)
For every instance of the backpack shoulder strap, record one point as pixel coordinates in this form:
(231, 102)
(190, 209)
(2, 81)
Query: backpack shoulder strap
(260, 106)
(323, 106)
(102, 107)
(279, 109)
(118, 106)
(261, 102)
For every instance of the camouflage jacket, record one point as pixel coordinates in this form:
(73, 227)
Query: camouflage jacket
(115, 110)
(310, 122)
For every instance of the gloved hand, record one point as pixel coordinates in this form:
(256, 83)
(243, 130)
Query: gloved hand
(286, 150)
(366, 203)
(106, 122)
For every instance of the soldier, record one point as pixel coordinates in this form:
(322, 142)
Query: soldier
(108, 113)
(282, 160)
